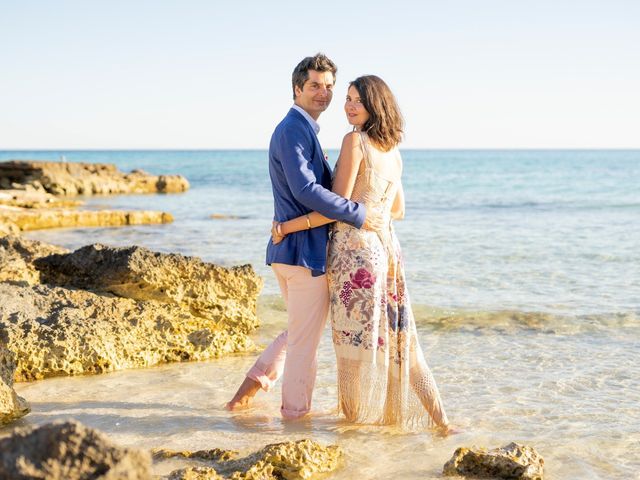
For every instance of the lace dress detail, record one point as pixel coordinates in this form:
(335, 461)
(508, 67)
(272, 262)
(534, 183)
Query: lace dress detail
(383, 377)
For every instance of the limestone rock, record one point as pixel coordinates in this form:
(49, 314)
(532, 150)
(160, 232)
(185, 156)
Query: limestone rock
(34, 198)
(292, 460)
(72, 178)
(12, 406)
(69, 451)
(225, 295)
(17, 255)
(37, 219)
(215, 454)
(512, 461)
(300, 460)
(8, 228)
(195, 473)
(56, 331)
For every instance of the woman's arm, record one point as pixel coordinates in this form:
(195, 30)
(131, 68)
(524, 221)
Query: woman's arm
(346, 173)
(397, 209)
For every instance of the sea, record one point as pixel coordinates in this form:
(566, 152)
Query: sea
(524, 272)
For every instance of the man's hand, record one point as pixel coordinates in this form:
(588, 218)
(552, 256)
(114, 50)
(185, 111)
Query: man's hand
(275, 238)
(374, 220)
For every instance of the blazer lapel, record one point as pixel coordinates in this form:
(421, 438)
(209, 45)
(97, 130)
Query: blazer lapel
(326, 168)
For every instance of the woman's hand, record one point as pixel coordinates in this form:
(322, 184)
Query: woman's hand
(276, 238)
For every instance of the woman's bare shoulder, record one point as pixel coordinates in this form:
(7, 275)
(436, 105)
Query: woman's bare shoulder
(352, 139)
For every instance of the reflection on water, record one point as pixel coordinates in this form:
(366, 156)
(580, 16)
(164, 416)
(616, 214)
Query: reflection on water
(573, 396)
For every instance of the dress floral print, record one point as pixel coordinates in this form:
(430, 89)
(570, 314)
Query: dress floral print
(382, 375)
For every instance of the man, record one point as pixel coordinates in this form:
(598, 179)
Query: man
(301, 182)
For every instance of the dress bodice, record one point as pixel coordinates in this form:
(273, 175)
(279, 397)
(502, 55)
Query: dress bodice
(371, 188)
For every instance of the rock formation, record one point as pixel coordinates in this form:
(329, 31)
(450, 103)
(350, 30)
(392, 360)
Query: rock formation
(38, 219)
(16, 258)
(56, 331)
(224, 295)
(199, 473)
(69, 451)
(71, 178)
(215, 454)
(28, 192)
(512, 461)
(28, 197)
(12, 406)
(100, 309)
(8, 228)
(300, 460)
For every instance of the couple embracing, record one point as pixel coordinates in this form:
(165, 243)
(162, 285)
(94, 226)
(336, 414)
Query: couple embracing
(357, 274)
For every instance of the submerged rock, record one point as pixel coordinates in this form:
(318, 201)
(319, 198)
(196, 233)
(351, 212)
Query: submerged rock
(74, 178)
(17, 255)
(225, 295)
(215, 454)
(512, 461)
(300, 460)
(69, 451)
(196, 473)
(12, 406)
(56, 331)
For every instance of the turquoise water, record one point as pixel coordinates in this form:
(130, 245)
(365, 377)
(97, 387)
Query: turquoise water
(537, 231)
(524, 270)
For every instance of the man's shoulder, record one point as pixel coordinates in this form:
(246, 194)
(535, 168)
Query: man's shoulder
(292, 124)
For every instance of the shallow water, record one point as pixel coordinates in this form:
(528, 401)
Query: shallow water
(524, 270)
(573, 396)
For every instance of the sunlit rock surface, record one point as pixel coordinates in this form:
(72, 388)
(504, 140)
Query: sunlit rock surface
(195, 473)
(28, 197)
(224, 295)
(8, 228)
(57, 331)
(69, 451)
(512, 461)
(75, 178)
(17, 255)
(300, 460)
(26, 219)
(12, 406)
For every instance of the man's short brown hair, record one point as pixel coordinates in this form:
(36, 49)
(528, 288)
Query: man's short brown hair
(319, 62)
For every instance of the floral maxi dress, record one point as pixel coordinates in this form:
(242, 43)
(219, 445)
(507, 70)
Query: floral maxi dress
(383, 377)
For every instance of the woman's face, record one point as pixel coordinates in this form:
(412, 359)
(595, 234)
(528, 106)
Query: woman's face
(357, 115)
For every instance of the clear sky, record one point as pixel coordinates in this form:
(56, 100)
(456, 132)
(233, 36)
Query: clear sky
(213, 74)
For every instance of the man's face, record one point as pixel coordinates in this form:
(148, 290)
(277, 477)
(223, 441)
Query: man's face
(316, 93)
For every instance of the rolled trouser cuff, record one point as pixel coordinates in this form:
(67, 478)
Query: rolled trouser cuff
(257, 375)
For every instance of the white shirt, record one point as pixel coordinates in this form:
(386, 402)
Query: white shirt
(315, 125)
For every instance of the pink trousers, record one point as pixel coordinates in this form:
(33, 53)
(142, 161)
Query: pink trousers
(293, 354)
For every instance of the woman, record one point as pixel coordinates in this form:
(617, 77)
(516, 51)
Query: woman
(382, 375)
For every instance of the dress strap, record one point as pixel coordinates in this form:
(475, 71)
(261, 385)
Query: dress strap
(364, 142)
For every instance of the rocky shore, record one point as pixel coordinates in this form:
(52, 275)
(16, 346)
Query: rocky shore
(37, 195)
(71, 451)
(100, 309)
(12, 406)
(75, 178)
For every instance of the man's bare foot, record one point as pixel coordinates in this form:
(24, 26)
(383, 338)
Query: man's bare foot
(242, 399)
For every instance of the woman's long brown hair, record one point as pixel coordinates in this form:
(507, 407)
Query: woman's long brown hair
(385, 122)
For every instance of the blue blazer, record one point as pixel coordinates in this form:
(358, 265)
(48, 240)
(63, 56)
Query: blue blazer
(301, 182)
